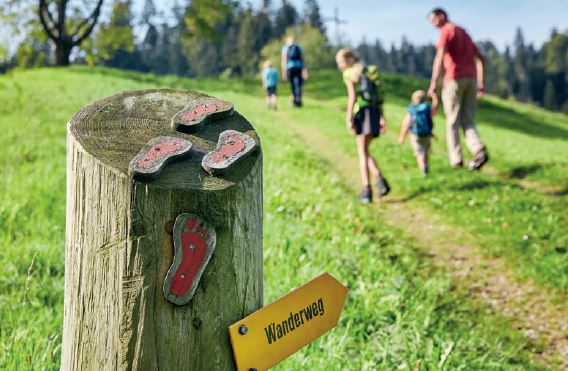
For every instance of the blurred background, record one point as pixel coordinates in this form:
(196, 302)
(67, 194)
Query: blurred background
(525, 42)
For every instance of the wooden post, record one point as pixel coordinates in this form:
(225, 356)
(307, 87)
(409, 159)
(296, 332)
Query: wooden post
(119, 242)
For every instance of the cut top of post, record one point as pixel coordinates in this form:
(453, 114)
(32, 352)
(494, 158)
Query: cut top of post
(115, 129)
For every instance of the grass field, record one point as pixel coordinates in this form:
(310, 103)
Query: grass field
(403, 310)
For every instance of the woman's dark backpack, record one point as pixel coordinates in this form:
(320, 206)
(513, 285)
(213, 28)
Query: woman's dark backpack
(370, 86)
(294, 53)
(420, 119)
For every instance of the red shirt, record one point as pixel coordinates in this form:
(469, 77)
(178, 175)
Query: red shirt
(459, 59)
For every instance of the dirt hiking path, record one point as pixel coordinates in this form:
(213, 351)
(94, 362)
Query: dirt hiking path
(539, 313)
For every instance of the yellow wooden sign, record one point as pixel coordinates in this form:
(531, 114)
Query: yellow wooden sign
(276, 331)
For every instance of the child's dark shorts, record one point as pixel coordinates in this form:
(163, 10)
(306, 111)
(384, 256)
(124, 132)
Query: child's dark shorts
(366, 121)
(271, 90)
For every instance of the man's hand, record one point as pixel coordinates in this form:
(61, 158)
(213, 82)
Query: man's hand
(435, 105)
(401, 139)
(480, 91)
(432, 92)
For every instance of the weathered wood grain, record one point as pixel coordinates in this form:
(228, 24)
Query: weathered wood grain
(118, 249)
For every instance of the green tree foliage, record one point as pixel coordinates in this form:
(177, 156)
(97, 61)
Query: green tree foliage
(521, 66)
(148, 13)
(209, 29)
(161, 49)
(18, 18)
(68, 24)
(114, 42)
(3, 53)
(317, 51)
(549, 99)
(35, 50)
(247, 55)
(286, 16)
(497, 68)
(205, 17)
(555, 53)
(263, 25)
(312, 15)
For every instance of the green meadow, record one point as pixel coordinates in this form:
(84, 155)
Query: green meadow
(404, 310)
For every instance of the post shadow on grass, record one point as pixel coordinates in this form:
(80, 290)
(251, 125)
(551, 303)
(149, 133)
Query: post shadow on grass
(497, 116)
(521, 172)
(415, 194)
(474, 185)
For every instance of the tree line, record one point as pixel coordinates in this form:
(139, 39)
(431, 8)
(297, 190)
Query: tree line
(227, 38)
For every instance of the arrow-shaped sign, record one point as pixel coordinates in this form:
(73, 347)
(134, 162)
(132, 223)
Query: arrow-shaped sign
(278, 330)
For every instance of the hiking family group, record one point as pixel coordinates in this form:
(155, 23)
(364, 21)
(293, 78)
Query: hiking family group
(459, 61)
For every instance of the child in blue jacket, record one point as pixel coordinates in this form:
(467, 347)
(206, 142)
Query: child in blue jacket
(270, 83)
(418, 121)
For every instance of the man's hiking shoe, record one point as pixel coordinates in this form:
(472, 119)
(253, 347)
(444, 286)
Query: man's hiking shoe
(383, 187)
(366, 195)
(478, 161)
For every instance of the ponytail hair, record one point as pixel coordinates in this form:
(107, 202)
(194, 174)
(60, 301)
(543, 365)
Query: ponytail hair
(348, 54)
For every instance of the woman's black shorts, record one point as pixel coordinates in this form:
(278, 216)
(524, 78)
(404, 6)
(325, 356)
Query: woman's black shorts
(367, 121)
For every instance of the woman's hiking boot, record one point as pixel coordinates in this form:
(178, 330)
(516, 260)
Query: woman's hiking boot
(382, 186)
(366, 195)
(478, 160)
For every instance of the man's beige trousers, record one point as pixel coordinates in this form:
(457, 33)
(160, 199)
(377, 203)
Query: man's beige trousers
(460, 103)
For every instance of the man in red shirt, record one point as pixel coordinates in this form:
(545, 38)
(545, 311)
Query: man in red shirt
(463, 85)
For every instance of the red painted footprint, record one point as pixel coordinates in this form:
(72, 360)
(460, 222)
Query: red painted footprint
(232, 147)
(194, 243)
(200, 111)
(159, 151)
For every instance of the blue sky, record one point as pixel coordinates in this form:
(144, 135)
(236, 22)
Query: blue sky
(494, 20)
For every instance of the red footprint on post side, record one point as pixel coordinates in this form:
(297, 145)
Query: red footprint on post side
(194, 243)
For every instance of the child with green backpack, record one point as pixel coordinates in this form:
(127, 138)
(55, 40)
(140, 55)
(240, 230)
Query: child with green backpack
(418, 121)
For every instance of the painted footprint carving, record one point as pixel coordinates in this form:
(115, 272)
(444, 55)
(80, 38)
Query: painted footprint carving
(194, 243)
(232, 147)
(158, 152)
(201, 111)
